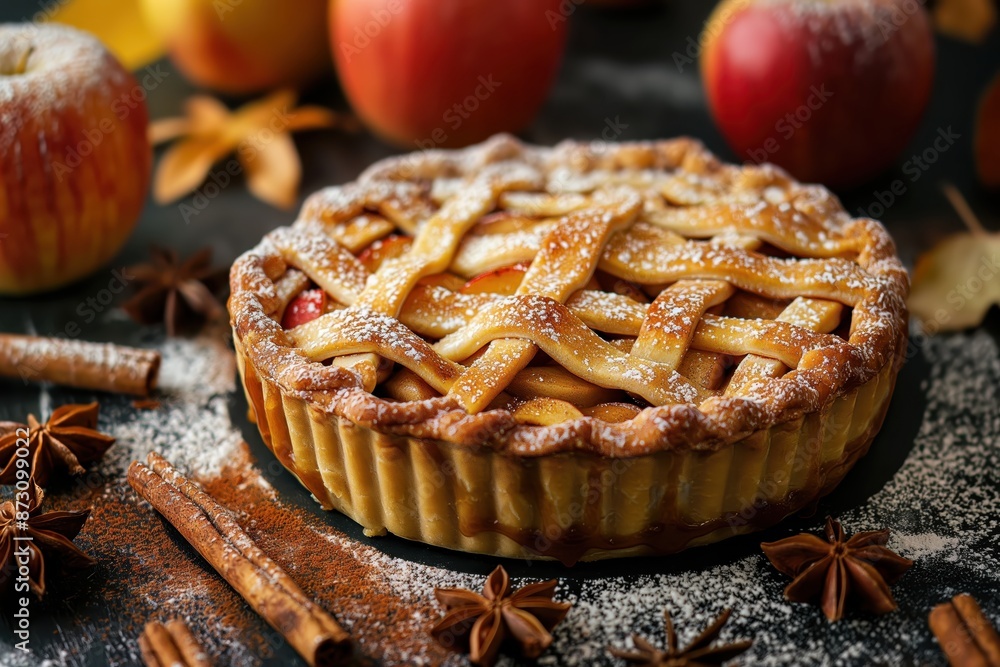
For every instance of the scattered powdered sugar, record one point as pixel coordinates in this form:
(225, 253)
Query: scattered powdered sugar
(924, 545)
(410, 581)
(191, 428)
(196, 368)
(23, 659)
(194, 436)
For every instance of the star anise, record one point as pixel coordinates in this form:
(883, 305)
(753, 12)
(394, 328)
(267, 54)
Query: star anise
(179, 294)
(29, 537)
(64, 444)
(485, 622)
(839, 570)
(698, 652)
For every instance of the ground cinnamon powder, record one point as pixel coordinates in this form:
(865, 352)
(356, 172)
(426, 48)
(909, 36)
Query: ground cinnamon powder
(384, 626)
(146, 571)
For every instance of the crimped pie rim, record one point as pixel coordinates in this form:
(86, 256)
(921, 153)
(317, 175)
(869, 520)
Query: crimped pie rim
(875, 338)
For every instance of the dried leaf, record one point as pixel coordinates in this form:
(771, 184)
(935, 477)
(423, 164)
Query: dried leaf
(205, 113)
(168, 128)
(184, 167)
(311, 118)
(259, 132)
(968, 20)
(956, 283)
(274, 171)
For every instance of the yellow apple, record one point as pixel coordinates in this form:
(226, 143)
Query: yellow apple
(383, 249)
(243, 46)
(504, 280)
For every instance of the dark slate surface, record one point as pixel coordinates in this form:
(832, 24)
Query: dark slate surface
(619, 77)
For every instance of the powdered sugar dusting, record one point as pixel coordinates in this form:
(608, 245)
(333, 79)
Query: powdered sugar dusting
(196, 369)
(192, 428)
(65, 66)
(924, 545)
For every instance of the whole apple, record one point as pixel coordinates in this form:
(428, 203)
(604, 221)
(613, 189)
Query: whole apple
(431, 73)
(243, 46)
(74, 157)
(620, 4)
(987, 139)
(831, 90)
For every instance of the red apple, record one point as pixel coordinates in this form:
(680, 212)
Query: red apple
(830, 90)
(987, 139)
(243, 46)
(306, 307)
(74, 156)
(619, 4)
(431, 73)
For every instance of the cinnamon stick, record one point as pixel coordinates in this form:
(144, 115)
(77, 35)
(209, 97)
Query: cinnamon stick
(171, 645)
(216, 535)
(77, 363)
(966, 636)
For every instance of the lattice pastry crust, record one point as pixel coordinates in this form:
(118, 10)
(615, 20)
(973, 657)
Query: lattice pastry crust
(580, 352)
(616, 298)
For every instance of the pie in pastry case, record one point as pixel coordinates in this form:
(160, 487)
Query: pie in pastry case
(579, 352)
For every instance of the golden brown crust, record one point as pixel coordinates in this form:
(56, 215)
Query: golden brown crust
(568, 506)
(847, 261)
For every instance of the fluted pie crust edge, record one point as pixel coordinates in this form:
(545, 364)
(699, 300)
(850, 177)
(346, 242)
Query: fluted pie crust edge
(568, 506)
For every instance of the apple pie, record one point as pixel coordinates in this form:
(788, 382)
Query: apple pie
(578, 352)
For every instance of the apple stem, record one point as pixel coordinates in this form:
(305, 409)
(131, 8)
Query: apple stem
(963, 209)
(22, 64)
